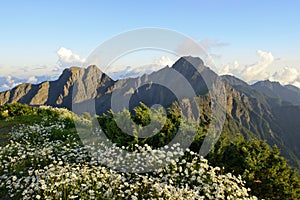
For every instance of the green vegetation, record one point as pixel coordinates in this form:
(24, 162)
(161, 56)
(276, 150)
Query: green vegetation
(12, 115)
(141, 116)
(265, 171)
(42, 157)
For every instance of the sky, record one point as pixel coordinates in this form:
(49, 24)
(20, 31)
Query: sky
(253, 40)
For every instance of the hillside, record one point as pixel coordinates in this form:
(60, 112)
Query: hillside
(42, 151)
(248, 109)
(286, 93)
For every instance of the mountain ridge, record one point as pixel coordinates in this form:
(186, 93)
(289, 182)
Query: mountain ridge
(286, 93)
(250, 110)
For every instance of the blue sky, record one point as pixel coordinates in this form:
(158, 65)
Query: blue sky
(240, 34)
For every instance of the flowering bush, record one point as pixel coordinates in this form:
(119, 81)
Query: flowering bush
(48, 161)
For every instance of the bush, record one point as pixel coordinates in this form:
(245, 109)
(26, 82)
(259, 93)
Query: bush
(39, 165)
(265, 171)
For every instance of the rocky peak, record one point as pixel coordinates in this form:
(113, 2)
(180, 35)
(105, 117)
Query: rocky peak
(188, 63)
(276, 90)
(267, 83)
(69, 74)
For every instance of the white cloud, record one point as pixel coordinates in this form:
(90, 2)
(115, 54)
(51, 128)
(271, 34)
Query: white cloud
(25, 72)
(164, 61)
(129, 71)
(5, 86)
(252, 72)
(67, 58)
(287, 75)
(120, 73)
(32, 79)
(231, 69)
(259, 70)
(38, 73)
(9, 82)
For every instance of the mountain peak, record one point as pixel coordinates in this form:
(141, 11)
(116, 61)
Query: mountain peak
(69, 73)
(267, 83)
(248, 109)
(72, 70)
(93, 67)
(187, 61)
(275, 89)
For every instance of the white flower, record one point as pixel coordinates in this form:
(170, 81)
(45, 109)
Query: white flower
(14, 178)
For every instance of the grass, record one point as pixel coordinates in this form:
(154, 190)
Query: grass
(7, 125)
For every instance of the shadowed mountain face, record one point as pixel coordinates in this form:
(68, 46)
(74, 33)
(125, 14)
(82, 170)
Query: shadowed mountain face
(183, 81)
(265, 110)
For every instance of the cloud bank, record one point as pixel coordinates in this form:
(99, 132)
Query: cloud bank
(128, 71)
(259, 70)
(287, 75)
(9, 81)
(66, 58)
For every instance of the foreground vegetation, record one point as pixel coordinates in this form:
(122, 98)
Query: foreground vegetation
(42, 157)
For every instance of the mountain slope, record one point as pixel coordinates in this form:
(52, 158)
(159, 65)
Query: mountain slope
(287, 93)
(274, 120)
(248, 109)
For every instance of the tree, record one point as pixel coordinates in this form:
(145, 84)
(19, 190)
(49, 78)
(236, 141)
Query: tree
(265, 171)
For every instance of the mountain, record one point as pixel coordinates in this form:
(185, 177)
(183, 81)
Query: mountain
(10, 81)
(265, 110)
(271, 118)
(287, 93)
(233, 80)
(56, 93)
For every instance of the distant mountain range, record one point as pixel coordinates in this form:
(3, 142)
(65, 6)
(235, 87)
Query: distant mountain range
(287, 93)
(9, 82)
(266, 110)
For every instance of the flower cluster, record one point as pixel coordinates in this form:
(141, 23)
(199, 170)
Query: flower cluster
(48, 161)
